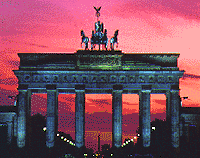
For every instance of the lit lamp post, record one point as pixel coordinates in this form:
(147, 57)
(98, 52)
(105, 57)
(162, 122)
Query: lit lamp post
(15, 99)
(182, 99)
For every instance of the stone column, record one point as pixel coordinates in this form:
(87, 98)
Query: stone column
(168, 106)
(186, 131)
(21, 126)
(15, 125)
(181, 126)
(80, 115)
(28, 115)
(10, 131)
(51, 115)
(175, 106)
(144, 117)
(117, 116)
(198, 131)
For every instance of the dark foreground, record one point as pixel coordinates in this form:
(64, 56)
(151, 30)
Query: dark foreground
(62, 150)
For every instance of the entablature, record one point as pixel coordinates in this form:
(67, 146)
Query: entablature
(97, 77)
(99, 60)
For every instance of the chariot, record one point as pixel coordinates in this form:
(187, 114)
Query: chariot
(99, 37)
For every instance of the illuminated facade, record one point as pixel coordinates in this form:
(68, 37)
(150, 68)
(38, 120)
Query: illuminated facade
(96, 72)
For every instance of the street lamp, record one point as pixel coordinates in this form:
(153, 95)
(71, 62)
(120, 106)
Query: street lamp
(182, 99)
(15, 99)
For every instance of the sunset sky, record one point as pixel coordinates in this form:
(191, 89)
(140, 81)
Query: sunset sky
(144, 26)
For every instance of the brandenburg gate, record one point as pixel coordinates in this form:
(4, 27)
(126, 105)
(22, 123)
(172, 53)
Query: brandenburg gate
(95, 72)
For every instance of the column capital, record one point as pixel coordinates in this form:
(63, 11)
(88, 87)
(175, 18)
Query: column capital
(50, 87)
(145, 91)
(22, 87)
(167, 92)
(174, 91)
(79, 87)
(146, 88)
(174, 88)
(118, 87)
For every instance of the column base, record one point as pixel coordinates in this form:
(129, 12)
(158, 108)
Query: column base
(21, 144)
(79, 145)
(50, 144)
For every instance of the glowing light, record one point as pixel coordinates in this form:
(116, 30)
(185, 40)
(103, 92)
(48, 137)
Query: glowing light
(62, 137)
(65, 139)
(128, 140)
(57, 135)
(154, 128)
(132, 139)
(138, 134)
(44, 129)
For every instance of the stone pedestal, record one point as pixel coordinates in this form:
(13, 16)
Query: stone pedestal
(80, 116)
(117, 116)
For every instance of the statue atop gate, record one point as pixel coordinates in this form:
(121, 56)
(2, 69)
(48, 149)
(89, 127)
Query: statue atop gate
(99, 36)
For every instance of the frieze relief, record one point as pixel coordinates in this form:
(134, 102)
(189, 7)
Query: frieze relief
(46, 78)
(104, 78)
(161, 79)
(99, 60)
(113, 79)
(27, 78)
(36, 78)
(151, 79)
(141, 79)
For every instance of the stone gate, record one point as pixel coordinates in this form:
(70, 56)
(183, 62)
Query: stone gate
(95, 72)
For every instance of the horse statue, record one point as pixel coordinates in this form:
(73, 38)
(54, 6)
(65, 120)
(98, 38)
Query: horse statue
(105, 39)
(113, 40)
(84, 40)
(99, 37)
(102, 39)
